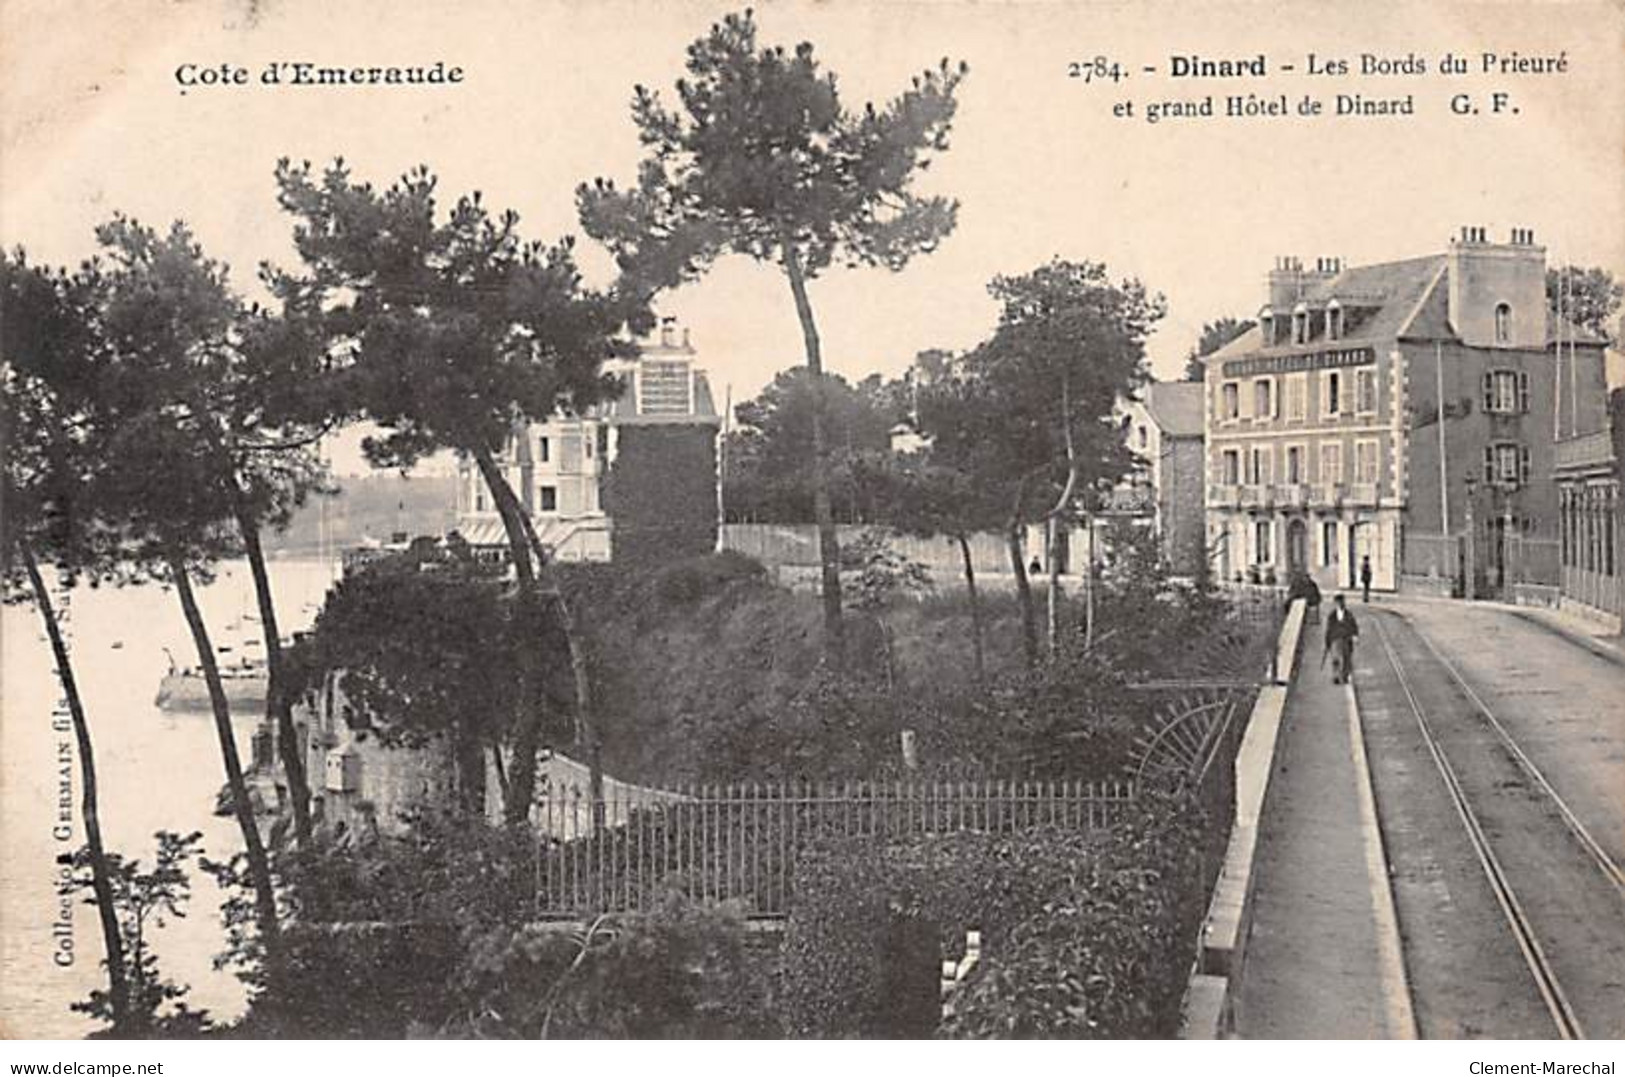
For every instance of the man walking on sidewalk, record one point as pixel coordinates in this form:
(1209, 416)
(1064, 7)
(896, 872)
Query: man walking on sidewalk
(1341, 631)
(1365, 579)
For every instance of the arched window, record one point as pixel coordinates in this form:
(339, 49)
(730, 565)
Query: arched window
(1300, 324)
(1334, 320)
(1503, 323)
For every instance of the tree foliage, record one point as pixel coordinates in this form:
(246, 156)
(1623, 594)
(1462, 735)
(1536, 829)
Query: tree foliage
(1029, 412)
(145, 900)
(450, 329)
(761, 158)
(1215, 335)
(427, 646)
(48, 343)
(769, 457)
(760, 155)
(455, 332)
(1588, 297)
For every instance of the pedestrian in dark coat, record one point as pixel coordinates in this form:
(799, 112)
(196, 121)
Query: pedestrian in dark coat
(1365, 579)
(1305, 588)
(1341, 631)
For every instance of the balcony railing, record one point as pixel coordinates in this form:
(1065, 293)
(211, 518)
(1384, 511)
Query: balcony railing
(1292, 495)
(1224, 495)
(1327, 495)
(1363, 493)
(1259, 497)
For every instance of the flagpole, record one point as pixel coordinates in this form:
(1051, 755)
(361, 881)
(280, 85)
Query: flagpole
(1557, 368)
(1444, 469)
(1574, 367)
(722, 461)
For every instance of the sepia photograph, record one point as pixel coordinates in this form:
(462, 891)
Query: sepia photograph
(831, 520)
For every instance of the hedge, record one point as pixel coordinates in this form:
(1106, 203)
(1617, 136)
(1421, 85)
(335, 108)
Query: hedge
(1083, 934)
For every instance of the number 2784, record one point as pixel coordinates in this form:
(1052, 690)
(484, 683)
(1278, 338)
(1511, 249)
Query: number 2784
(1099, 69)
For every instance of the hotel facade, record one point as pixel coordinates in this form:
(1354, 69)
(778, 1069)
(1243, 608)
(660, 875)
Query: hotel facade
(1402, 414)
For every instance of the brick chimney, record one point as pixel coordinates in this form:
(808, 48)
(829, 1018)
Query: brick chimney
(1285, 284)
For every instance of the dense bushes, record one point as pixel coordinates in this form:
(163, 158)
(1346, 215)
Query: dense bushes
(705, 670)
(678, 971)
(433, 933)
(1109, 952)
(1084, 934)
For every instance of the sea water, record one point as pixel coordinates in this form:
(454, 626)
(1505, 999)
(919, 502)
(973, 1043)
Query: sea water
(156, 770)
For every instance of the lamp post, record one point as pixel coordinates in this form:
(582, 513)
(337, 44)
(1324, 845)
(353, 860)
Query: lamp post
(1510, 554)
(1471, 569)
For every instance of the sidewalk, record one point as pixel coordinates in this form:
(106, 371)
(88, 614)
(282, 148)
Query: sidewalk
(1587, 633)
(1581, 631)
(1322, 958)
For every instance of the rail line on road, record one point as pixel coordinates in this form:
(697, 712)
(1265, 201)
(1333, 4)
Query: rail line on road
(1540, 968)
(1605, 863)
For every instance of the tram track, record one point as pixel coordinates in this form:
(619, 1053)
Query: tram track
(1556, 891)
(1578, 830)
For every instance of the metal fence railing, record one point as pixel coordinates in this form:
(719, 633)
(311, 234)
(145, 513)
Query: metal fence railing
(739, 842)
(717, 843)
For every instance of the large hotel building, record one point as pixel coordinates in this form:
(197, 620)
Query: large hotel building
(1404, 413)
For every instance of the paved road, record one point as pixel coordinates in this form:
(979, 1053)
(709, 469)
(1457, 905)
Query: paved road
(1564, 705)
(1483, 731)
(1443, 859)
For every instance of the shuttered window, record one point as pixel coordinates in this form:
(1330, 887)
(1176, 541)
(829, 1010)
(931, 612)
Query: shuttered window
(1506, 392)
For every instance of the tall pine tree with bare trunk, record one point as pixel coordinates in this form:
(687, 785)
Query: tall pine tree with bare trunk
(175, 406)
(760, 157)
(455, 333)
(47, 361)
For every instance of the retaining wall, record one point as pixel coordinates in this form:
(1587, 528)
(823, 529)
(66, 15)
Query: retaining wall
(1210, 995)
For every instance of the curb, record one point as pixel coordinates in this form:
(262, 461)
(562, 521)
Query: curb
(1401, 1007)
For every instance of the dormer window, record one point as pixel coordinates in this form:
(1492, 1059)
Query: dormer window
(1300, 324)
(1503, 323)
(1334, 320)
(1266, 325)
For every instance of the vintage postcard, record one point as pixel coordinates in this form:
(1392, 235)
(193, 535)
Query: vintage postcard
(843, 519)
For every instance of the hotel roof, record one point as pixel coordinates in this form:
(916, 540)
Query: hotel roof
(1403, 300)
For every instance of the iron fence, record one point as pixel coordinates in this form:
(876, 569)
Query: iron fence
(739, 842)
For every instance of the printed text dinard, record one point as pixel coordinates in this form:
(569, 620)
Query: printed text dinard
(1367, 64)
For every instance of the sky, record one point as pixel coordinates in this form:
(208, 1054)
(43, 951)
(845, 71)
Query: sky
(92, 122)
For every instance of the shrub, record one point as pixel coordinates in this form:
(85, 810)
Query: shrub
(1108, 954)
(144, 900)
(372, 928)
(1083, 933)
(661, 490)
(678, 971)
(364, 980)
(687, 582)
